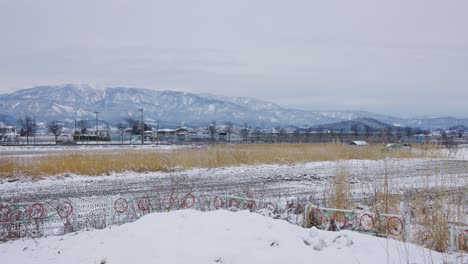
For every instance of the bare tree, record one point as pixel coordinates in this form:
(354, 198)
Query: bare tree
(245, 132)
(340, 135)
(444, 136)
(131, 123)
(212, 130)
(27, 127)
(257, 133)
(228, 130)
(399, 133)
(197, 131)
(55, 127)
(367, 131)
(320, 133)
(449, 142)
(419, 131)
(122, 126)
(136, 126)
(332, 134)
(107, 129)
(355, 129)
(307, 134)
(83, 126)
(408, 132)
(383, 133)
(389, 133)
(282, 134)
(296, 135)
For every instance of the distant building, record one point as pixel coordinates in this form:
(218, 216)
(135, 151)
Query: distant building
(7, 133)
(166, 134)
(359, 143)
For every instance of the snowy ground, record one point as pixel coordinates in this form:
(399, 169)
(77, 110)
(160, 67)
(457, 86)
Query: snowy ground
(52, 149)
(272, 183)
(94, 198)
(189, 236)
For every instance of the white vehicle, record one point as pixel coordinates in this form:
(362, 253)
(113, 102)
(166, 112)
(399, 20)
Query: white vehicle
(65, 139)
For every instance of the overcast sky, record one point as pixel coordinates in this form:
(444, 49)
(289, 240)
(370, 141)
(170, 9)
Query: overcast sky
(400, 57)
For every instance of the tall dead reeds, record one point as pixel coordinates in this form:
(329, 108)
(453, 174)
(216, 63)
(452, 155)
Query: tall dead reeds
(107, 161)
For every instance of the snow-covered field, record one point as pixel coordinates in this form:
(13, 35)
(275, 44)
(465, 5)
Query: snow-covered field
(258, 180)
(94, 199)
(28, 149)
(194, 237)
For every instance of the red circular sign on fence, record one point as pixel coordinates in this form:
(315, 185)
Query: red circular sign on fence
(188, 201)
(394, 226)
(233, 203)
(120, 205)
(269, 206)
(144, 204)
(36, 211)
(6, 214)
(366, 222)
(218, 202)
(251, 205)
(65, 209)
(168, 202)
(340, 219)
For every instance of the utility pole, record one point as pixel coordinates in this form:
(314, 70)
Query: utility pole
(34, 131)
(157, 133)
(97, 127)
(142, 124)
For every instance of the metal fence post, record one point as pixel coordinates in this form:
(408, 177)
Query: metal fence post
(452, 244)
(111, 218)
(407, 227)
(75, 215)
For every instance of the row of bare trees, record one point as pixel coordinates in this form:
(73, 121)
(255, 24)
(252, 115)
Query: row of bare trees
(29, 127)
(247, 134)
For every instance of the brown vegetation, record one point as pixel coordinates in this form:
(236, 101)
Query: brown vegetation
(104, 162)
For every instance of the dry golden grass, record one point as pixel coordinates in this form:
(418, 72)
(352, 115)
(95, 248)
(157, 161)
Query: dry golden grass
(434, 210)
(432, 216)
(104, 162)
(338, 193)
(386, 203)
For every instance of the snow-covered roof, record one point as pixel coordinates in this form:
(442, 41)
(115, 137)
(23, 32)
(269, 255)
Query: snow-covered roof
(2, 125)
(359, 143)
(184, 128)
(166, 130)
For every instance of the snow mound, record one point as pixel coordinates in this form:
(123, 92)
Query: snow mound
(195, 237)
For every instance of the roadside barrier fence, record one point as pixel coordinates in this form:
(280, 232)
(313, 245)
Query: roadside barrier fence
(60, 216)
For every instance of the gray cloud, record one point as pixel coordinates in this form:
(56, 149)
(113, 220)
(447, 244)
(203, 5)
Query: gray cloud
(399, 57)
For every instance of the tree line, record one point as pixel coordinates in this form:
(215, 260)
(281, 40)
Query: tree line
(247, 134)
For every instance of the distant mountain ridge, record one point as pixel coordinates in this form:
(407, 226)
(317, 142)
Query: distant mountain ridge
(70, 102)
(358, 124)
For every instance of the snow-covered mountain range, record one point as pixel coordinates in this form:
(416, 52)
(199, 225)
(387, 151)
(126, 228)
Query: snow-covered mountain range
(70, 102)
